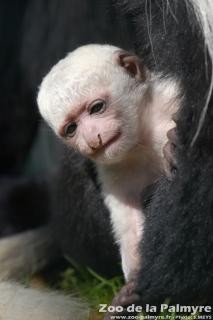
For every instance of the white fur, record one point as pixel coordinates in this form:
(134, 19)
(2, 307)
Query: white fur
(72, 79)
(128, 223)
(19, 303)
(20, 256)
(27, 253)
(204, 12)
(164, 102)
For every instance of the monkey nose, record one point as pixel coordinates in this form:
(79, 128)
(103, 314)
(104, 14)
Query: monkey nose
(96, 144)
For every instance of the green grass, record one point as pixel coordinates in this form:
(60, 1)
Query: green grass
(87, 284)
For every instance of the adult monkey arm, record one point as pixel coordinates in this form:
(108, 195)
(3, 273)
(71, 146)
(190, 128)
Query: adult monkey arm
(26, 254)
(17, 302)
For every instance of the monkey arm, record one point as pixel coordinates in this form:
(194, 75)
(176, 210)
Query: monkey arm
(27, 253)
(20, 303)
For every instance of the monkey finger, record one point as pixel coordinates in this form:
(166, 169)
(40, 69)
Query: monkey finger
(172, 136)
(167, 169)
(175, 117)
(170, 162)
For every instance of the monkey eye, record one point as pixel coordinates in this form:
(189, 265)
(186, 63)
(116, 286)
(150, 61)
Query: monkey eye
(70, 129)
(99, 106)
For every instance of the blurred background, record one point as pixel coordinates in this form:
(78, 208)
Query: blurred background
(34, 35)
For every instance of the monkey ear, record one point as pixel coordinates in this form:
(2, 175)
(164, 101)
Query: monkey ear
(133, 65)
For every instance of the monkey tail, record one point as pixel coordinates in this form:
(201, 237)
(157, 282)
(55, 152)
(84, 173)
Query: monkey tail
(20, 303)
(25, 254)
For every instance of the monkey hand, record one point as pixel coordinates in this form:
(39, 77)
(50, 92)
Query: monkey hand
(126, 297)
(169, 150)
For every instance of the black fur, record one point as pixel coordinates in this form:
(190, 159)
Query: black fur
(53, 28)
(18, 121)
(177, 249)
(18, 127)
(81, 221)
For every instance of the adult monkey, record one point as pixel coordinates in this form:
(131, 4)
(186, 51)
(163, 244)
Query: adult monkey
(175, 40)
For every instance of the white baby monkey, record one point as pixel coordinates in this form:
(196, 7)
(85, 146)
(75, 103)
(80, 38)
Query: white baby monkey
(103, 102)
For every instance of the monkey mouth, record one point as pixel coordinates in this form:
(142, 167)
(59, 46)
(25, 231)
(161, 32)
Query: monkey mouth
(111, 140)
(100, 151)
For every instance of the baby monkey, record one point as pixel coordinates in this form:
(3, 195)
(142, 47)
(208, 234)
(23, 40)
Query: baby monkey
(103, 102)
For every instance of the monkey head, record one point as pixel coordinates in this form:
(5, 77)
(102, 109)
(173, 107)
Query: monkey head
(92, 100)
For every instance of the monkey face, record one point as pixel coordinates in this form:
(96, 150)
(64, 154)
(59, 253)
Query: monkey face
(101, 129)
